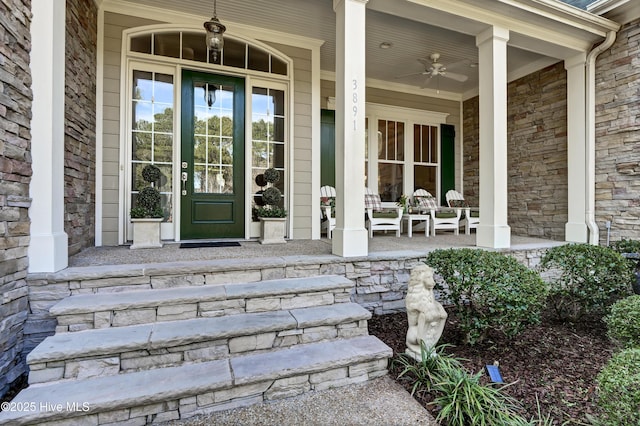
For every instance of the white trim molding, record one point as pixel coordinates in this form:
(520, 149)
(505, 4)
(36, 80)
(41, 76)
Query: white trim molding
(48, 247)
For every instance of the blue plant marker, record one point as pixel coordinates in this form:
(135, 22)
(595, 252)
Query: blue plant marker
(494, 373)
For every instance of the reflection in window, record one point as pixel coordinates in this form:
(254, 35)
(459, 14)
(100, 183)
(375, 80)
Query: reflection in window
(268, 134)
(152, 109)
(213, 138)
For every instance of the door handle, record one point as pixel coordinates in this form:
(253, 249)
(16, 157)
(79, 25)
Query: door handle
(184, 178)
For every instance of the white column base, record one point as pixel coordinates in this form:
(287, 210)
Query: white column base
(350, 242)
(493, 236)
(576, 232)
(48, 253)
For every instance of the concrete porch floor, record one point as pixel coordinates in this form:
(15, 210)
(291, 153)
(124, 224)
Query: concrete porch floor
(171, 252)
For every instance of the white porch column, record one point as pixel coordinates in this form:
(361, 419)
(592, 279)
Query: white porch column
(493, 230)
(576, 228)
(350, 237)
(48, 248)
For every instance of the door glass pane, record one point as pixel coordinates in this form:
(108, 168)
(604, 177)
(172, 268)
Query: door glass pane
(213, 138)
(390, 140)
(151, 132)
(193, 48)
(167, 44)
(258, 60)
(141, 44)
(425, 144)
(234, 53)
(278, 66)
(390, 178)
(425, 178)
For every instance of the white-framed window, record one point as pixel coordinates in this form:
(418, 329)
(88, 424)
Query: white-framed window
(405, 153)
(269, 133)
(268, 130)
(150, 135)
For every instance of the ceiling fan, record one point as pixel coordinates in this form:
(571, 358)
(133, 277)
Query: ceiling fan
(433, 68)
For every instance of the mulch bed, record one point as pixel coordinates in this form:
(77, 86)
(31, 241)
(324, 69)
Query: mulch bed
(555, 362)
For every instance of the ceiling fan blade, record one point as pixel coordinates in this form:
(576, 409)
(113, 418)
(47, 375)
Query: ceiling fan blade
(455, 76)
(426, 82)
(410, 75)
(460, 64)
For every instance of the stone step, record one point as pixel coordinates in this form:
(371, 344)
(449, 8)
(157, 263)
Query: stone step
(89, 311)
(119, 350)
(180, 392)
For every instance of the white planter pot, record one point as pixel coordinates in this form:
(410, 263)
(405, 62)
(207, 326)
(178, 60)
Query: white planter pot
(146, 233)
(272, 230)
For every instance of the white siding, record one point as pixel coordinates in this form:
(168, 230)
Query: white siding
(114, 24)
(301, 139)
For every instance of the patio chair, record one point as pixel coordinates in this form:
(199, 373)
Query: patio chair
(471, 217)
(327, 206)
(441, 218)
(381, 216)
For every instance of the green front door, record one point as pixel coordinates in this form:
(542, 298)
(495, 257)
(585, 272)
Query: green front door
(212, 156)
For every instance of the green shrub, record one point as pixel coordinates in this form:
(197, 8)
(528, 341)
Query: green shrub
(424, 373)
(462, 399)
(626, 246)
(491, 291)
(623, 322)
(619, 389)
(590, 278)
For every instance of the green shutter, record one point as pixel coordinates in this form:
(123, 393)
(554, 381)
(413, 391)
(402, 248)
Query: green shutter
(447, 158)
(327, 147)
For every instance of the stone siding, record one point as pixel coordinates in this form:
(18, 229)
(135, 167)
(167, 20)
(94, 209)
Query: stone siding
(537, 153)
(80, 124)
(15, 176)
(618, 136)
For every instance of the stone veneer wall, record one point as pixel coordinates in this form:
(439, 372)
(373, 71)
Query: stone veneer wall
(80, 124)
(15, 176)
(618, 136)
(537, 153)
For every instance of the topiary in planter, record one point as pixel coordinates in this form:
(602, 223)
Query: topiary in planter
(586, 279)
(619, 389)
(268, 205)
(623, 322)
(148, 201)
(490, 291)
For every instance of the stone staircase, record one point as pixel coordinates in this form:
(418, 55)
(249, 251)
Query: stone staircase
(153, 355)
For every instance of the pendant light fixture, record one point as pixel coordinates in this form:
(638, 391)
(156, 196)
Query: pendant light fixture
(215, 32)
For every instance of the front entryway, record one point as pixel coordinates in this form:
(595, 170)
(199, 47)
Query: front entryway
(212, 156)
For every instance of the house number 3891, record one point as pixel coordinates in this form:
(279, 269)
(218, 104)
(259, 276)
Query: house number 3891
(355, 104)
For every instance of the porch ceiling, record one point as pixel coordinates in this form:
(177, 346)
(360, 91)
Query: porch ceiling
(542, 32)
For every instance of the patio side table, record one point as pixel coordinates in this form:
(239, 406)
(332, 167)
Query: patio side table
(410, 218)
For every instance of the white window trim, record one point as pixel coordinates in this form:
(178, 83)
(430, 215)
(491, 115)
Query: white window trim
(126, 229)
(409, 116)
